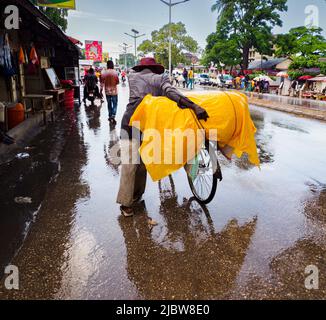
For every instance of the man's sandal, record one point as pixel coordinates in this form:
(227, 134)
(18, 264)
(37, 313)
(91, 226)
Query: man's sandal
(127, 212)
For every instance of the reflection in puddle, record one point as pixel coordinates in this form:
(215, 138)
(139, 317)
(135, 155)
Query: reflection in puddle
(289, 127)
(187, 258)
(93, 114)
(264, 146)
(112, 153)
(264, 141)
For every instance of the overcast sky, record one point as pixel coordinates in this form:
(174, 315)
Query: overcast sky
(107, 20)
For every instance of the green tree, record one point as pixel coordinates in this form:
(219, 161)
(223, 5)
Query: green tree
(130, 59)
(301, 41)
(181, 43)
(221, 51)
(300, 63)
(305, 46)
(56, 15)
(249, 24)
(83, 54)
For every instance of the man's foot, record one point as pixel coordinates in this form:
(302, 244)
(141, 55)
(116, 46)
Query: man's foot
(113, 120)
(127, 212)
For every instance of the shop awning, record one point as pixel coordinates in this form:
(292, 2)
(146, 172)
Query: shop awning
(305, 78)
(75, 41)
(318, 79)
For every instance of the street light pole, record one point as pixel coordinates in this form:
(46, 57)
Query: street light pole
(135, 36)
(125, 47)
(170, 4)
(170, 38)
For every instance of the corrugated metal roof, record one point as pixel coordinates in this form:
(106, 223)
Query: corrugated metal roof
(265, 64)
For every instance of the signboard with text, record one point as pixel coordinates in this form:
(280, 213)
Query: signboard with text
(93, 50)
(65, 4)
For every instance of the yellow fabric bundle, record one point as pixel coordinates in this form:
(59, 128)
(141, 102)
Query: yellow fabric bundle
(229, 115)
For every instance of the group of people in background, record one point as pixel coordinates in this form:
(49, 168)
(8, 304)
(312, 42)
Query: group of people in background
(108, 80)
(245, 83)
(185, 79)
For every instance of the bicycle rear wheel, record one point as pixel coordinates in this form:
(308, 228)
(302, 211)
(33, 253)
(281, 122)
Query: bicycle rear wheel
(205, 174)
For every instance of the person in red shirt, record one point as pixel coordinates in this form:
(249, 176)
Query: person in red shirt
(123, 76)
(110, 81)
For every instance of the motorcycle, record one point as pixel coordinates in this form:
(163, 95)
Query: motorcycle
(91, 97)
(123, 79)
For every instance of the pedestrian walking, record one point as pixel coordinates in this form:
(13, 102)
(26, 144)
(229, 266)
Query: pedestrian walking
(294, 88)
(253, 85)
(237, 82)
(191, 78)
(185, 77)
(180, 79)
(175, 79)
(261, 86)
(148, 78)
(247, 80)
(110, 81)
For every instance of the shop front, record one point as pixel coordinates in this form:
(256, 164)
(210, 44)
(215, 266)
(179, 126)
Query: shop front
(33, 60)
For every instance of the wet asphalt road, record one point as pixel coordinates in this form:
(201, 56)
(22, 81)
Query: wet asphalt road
(253, 241)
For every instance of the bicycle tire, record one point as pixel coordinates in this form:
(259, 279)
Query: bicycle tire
(217, 176)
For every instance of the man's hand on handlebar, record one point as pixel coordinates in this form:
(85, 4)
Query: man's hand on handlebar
(201, 113)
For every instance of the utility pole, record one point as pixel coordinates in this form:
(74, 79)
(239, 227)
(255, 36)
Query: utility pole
(171, 4)
(135, 36)
(125, 48)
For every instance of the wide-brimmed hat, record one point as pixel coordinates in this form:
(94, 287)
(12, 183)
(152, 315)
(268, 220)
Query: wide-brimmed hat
(149, 63)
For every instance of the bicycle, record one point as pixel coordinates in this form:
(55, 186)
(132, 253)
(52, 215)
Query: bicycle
(205, 173)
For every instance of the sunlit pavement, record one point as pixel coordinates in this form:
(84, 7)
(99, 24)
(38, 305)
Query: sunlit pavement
(254, 240)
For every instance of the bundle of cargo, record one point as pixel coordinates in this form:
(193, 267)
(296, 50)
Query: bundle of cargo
(169, 131)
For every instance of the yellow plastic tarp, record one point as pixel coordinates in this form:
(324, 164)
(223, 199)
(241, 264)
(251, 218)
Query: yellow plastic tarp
(230, 124)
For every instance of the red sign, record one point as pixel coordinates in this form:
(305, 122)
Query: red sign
(93, 50)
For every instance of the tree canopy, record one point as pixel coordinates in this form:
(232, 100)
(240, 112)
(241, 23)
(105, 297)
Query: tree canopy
(56, 15)
(301, 41)
(181, 43)
(221, 51)
(244, 24)
(305, 46)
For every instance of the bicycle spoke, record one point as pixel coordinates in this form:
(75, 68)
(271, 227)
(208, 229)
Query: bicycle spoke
(204, 183)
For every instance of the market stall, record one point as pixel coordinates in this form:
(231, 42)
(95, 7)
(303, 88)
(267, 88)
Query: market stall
(26, 54)
(318, 85)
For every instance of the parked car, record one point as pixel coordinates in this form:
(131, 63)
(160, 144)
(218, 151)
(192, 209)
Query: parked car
(203, 79)
(227, 81)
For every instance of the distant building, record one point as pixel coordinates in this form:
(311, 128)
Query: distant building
(254, 55)
(272, 66)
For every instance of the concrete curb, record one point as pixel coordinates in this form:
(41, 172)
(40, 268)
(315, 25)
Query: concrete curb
(296, 110)
(23, 134)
